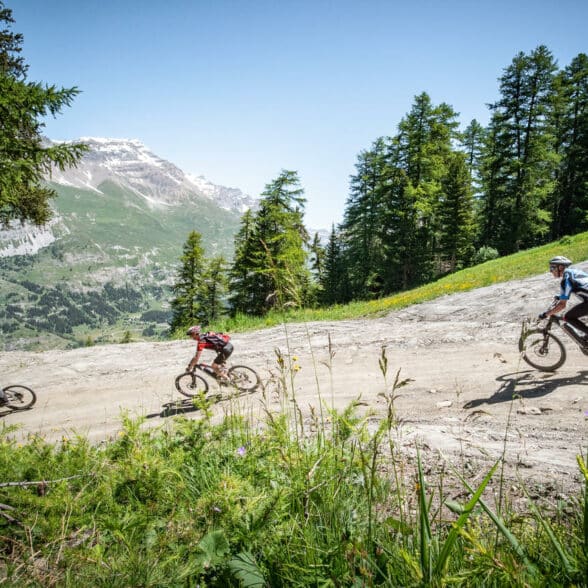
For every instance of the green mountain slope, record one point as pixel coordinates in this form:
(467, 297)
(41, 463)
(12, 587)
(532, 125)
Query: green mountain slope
(109, 269)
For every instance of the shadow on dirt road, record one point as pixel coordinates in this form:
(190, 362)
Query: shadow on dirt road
(525, 385)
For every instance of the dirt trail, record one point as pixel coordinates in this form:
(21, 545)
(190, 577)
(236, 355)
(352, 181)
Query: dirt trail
(459, 353)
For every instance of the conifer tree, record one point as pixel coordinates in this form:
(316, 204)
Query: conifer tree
(24, 160)
(214, 289)
(456, 214)
(423, 149)
(270, 261)
(472, 141)
(570, 203)
(520, 170)
(282, 237)
(402, 249)
(242, 274)
(334, 278)
(362, 222)
(318, 257)
(492, 210)
(317, 268)
(188, 304)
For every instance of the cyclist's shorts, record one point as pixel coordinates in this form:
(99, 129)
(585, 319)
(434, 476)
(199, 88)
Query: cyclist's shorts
(224, 354)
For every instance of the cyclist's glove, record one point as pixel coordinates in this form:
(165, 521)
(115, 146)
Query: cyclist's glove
(543, 315)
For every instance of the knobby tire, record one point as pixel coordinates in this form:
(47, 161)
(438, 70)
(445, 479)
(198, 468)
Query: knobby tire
(190, 384)
(541, 350)
(244, 378)
(19, 397)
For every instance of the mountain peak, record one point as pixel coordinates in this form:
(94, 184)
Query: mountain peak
(129, 163)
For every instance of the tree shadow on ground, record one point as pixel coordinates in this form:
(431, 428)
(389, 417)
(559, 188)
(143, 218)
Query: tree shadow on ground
(529, 384)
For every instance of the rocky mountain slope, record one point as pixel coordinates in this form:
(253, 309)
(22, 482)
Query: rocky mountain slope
(133, 166)
(104, 264)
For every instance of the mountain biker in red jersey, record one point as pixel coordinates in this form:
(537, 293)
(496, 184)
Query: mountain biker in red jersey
(219, 342)
(572, 281)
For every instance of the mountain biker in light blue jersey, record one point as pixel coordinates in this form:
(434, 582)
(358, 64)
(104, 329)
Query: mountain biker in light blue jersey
(573, 281)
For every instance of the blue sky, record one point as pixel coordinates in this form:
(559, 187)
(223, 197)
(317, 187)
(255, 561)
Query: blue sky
(239, 90)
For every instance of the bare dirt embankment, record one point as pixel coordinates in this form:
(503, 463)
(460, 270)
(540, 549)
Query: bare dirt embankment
(460, 353)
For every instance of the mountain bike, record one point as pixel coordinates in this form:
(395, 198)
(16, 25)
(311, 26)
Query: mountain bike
(18, 398)
(543, 350)
(239, 377)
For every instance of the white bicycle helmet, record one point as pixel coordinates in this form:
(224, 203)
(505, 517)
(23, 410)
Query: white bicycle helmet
(193, 330)
(560, 260)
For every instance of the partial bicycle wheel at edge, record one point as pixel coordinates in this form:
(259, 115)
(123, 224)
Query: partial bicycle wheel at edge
(190, 385)
(542, 351)
(243, 378)
(19, 397)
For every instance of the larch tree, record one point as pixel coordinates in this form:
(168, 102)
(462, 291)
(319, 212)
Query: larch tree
(423, 148)
(282, 240)
(472, 142)
(317, 251)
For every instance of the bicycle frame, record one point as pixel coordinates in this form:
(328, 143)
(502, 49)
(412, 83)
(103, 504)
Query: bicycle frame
(241, 377)
(207, 369)
(577, 337)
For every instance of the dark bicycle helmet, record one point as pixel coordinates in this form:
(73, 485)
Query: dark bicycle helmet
(560, 260)
(194, 329)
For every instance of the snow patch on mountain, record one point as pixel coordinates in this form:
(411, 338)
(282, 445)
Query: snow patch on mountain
(130, 164)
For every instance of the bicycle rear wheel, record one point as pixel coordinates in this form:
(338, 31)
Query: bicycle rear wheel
(542, 350)
(189, 384)
(243, 378)
(19, 397)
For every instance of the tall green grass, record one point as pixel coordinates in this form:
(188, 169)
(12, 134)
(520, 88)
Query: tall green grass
(329, 502)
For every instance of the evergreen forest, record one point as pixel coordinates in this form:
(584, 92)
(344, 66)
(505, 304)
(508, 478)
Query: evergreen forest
(436, 196)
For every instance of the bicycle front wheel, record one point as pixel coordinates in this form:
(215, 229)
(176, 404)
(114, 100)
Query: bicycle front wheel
(243, 378)
(19, 397)
(190, 385)
(542, 350)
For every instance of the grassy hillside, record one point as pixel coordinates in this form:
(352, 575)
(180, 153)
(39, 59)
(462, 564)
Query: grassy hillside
(127, 227)
(520, 265)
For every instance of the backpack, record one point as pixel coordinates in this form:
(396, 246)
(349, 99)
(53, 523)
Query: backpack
(217, 340)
